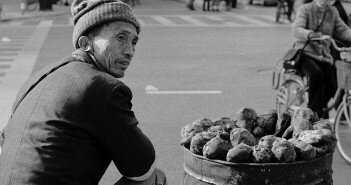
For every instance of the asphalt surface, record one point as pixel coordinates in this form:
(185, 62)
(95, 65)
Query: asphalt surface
(233, 57)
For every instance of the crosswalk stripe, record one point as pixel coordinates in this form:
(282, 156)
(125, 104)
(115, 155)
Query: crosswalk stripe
(251, 20)
(232, 24)
(186, 21)
(192, 20)
(214, 18)
(21, 68)
(17, 23)
(269, 17)
(163, 20)
(5, 63)
(225, 23)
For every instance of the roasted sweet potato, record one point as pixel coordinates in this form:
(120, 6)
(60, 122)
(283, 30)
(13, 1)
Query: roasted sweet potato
(216, 148)
(267, 141)
(240, 153)
(304, 151)
(262, 154)
(241, 135)
(268, 122)
(246, 118)
(189, 131)
(283, 150)
(199, 140)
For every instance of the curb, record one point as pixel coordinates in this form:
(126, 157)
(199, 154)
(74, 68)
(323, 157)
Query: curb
(12, 13)
(24, 17)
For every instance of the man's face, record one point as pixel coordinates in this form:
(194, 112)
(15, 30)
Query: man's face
(114, 47)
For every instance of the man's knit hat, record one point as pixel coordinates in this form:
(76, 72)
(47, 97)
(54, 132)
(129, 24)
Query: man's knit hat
(90, 13)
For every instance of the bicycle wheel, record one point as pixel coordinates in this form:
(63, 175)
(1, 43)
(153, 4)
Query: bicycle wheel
(342, 130)
(291, 95)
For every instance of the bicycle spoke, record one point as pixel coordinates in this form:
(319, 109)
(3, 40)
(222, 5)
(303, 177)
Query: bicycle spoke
(342, 130)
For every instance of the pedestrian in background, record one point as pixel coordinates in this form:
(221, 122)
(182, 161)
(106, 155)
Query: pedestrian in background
(0, 8)
(73, 117)
(190, 4)
(290, 8)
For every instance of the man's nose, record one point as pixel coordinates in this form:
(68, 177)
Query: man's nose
(129, 51)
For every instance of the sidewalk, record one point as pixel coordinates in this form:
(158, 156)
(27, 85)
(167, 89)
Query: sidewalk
(11, 11)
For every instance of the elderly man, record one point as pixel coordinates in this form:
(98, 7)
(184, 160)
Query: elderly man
(74, 117)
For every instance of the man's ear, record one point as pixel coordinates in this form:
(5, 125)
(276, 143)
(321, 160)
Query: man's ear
(83, 43)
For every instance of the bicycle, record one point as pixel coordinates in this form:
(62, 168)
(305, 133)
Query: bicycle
(28, 5)
(282, 12)
(292, 88)
(293, 93)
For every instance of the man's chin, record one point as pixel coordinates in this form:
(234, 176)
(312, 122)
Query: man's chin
(118, 75)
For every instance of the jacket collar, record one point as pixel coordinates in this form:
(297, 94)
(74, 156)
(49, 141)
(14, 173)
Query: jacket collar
(316, 8)
(83, 56)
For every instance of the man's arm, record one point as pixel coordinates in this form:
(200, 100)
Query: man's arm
(131, 151)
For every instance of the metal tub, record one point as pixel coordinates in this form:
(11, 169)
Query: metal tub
(199, 170)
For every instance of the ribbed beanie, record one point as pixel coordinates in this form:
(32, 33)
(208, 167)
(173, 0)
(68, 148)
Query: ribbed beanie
(90, 13)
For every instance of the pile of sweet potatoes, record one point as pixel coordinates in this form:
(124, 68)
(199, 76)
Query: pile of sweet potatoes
(267, 138)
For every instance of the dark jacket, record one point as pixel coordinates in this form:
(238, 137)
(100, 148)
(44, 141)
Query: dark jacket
(308, 18)
(69, 121)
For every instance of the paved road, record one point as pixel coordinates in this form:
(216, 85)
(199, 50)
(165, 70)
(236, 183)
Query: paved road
(204, 65)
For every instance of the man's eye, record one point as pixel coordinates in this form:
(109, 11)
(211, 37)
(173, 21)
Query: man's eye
(121, 37)
(134, 42)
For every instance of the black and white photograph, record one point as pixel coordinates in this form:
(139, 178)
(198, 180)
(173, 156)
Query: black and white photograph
(175, 92)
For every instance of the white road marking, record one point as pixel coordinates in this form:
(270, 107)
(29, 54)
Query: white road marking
(5, 39)
(251, 20)
(20, 70)
(5, 63)
(183, 92)
(18, 23)
(214, 17)
(192, 20)
(164, 21)
(269, 17)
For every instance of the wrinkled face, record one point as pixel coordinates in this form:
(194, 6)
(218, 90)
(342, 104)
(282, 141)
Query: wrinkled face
(322, 3)
(114, 47)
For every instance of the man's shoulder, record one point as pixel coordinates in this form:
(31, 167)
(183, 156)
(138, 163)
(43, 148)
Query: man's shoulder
(90, 73)
(307, 6)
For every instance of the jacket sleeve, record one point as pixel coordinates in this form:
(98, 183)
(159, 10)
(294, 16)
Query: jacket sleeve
(300, 24)
(131, 151)
(341, 30)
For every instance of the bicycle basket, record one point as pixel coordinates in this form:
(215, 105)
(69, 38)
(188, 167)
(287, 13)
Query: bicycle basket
(345, 56)
(343, 71)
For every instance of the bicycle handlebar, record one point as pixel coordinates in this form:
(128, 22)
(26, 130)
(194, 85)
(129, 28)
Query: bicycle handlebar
(327, 37)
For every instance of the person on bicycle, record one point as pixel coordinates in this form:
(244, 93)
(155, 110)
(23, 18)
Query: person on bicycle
(317, 61)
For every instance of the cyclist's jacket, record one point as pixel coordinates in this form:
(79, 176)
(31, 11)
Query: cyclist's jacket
(308, 18)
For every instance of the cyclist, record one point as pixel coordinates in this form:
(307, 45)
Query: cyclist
(317, 61)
